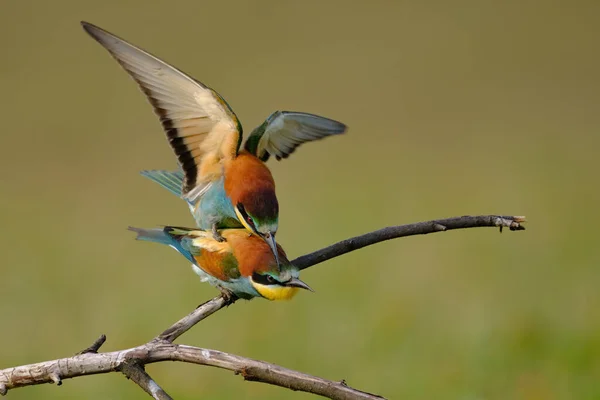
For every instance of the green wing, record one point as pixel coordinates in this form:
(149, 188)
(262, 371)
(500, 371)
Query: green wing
(283, 131)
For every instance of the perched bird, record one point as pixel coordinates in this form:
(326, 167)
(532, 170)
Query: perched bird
(242, 264)
(224, 186)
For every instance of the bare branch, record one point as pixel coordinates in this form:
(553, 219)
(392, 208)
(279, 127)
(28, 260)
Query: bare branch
(135, 371)
(419, 228)
(155, 351)
(185, 323)
(131, 362)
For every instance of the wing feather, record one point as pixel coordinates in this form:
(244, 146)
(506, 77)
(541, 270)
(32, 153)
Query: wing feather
(197, 120)
(284, 131)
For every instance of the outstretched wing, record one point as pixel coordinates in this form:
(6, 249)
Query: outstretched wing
(283, 131)
(201, 127)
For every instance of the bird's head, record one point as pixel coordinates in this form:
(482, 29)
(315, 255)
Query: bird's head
(260, 217)
(251, 189)
(278, 285)
(256, 263)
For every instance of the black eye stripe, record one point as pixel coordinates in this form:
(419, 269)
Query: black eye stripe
(264, 279)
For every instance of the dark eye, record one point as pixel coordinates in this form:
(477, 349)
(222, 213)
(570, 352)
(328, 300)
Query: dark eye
(247, 217)
(265, 279)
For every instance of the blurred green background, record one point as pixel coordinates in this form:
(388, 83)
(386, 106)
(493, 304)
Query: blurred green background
(468, 107)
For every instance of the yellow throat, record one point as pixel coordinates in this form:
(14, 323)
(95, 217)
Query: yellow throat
(275, 292)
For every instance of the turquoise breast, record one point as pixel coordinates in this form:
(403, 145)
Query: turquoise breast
(215, 207)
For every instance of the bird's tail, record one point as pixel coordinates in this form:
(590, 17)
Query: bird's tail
(170, 235)
(170, 180)
(153, 235)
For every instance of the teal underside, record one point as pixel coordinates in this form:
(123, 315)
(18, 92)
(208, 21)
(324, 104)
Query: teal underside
(241, 287)
(214, 206)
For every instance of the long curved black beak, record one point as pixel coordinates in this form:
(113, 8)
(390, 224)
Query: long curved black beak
(295, 282)
(270, 239)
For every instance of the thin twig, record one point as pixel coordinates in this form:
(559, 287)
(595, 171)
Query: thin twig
(95, 346)
(419, 228)
(185, 323)
(161, 348)
(135, 371)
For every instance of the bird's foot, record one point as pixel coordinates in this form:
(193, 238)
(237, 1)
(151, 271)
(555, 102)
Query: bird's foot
(216, 235)
(227, 295)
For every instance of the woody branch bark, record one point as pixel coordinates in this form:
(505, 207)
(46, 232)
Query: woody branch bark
(158, 351)
(131, 362)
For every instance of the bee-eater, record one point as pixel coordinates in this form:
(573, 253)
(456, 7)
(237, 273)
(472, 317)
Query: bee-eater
(225, 187)
(243, 264)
